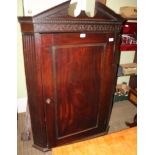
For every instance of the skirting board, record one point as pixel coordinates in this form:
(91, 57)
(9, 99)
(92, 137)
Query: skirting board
(21, 104)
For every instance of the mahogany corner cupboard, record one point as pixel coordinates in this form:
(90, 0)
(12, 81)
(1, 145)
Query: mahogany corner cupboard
(70, 66)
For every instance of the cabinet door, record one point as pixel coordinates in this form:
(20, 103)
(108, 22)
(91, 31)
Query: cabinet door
(77, 83)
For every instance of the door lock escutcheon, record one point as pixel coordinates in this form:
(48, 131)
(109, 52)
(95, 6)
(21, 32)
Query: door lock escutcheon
(49, 100)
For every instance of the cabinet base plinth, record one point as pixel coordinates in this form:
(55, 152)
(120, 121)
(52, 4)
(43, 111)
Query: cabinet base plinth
(43, 149)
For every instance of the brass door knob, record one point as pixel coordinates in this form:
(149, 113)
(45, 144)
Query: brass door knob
(48, 101)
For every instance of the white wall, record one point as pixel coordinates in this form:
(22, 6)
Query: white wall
(33, 7)
(21, 86)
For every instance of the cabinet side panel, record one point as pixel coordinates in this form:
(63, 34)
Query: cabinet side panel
(108, 82)
(34, 99)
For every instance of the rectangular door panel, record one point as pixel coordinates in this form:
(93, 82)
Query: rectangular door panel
(77, 77)
(77, 73)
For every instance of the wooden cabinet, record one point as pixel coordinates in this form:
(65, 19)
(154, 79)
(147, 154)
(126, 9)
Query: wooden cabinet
(70, 65)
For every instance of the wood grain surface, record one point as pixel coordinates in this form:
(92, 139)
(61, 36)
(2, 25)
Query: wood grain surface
(120, 143)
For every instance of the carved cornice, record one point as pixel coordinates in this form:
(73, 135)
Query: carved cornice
(76, 28)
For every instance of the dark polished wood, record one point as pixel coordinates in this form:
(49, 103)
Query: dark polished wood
(79, 68)
(70, 66)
